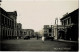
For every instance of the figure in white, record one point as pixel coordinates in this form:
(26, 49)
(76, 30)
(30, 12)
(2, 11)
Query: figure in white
(43, 38)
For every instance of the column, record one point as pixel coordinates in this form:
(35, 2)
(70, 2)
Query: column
(67, 21)
(2, 33)
(7, 33)
(9, 23)
(3, 21)
(70, 20)
(6, 21)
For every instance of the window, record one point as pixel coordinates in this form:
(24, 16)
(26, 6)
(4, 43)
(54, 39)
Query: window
(68, 22)
(50, 30)
(49, 34)
(65, 22)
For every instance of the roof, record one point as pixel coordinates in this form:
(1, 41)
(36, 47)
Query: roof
(3, 12)
(66, 15)
(14, 14)
(8, 14)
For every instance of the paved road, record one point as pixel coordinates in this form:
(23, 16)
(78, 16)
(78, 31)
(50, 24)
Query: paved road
(36, 45)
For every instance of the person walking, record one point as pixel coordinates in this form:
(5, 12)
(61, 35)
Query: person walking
(37, 37)
(43, 38)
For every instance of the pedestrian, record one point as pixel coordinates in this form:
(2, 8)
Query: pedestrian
(43, 39)
(37, 37)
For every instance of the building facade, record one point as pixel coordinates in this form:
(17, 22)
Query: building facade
(48, 30)
(71, 21)
(13, 15)
(0, 19)
(28, 32)
(7, 24)
(19, 30)
(58, 31)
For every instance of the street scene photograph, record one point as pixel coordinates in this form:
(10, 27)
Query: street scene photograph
(39, 25)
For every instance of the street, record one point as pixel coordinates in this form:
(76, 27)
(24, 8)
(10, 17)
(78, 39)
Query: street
(37, 45)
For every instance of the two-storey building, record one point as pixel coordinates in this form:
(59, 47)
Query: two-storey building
(28, 32)
(7, 24)
(48, 30)
(71, 21)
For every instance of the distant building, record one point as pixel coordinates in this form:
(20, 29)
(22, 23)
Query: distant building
(7, 24)
(37, 34)
(48, 30)
(28, 32)
(71, 21)
(19, 30)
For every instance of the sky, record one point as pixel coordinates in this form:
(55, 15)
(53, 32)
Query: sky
(34, 14)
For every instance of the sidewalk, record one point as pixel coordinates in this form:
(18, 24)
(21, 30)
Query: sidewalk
(66, 41)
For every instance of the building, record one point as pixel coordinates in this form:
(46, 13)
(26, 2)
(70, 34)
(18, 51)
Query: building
(19, 30)
(48, 30)
(28, 32)
(58, 31)
(71, 21)
(7, 24)
(13, 15)
(37, 34)
(0, 19)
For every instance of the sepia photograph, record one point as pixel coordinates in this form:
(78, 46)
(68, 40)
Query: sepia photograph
(39, 25)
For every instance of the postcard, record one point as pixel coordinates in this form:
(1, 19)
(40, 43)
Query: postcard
(39, 25)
